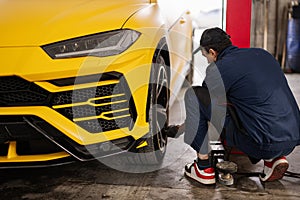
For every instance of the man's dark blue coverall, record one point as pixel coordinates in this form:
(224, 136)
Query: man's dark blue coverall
(253, 82)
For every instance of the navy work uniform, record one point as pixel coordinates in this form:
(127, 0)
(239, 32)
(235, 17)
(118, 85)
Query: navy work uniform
(251, 80)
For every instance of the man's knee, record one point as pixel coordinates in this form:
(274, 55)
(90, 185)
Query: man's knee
(199, 92)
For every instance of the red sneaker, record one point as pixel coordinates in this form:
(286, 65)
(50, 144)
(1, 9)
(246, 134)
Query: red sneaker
(275, 169)
(205, 176)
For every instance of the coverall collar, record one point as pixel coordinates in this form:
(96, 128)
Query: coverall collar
(225, 51)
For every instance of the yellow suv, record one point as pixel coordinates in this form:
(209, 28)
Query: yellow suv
(86, 79)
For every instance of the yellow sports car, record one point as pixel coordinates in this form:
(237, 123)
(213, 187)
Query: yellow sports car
(84, 79)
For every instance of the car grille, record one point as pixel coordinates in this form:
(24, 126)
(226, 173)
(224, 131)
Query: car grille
(31, 137)
(105, 107)
(29, 140)
(97, 109)
(15, 91)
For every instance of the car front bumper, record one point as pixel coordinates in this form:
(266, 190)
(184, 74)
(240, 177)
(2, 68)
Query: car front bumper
(82, 107)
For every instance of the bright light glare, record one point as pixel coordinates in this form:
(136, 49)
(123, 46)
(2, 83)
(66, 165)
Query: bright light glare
(196, 6)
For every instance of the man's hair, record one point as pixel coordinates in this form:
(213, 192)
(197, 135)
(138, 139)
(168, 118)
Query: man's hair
(216, 39)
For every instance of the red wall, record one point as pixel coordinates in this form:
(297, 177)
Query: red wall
(238, 22)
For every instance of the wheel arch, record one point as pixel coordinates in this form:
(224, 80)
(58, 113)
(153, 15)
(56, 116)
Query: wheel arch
(163, 49)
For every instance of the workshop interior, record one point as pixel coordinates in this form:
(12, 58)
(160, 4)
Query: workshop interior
(92, 95)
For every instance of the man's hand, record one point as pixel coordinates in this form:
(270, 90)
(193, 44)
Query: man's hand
(174, 131)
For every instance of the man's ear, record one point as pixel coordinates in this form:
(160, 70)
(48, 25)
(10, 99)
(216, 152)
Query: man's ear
(213, 52)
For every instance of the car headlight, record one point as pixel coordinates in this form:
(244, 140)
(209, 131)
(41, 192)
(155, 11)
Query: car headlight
(100, 44)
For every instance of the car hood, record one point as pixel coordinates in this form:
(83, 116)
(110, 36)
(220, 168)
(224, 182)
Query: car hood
(36, 22)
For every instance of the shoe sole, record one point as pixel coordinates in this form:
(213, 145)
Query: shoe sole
(203, 181)
(278, 172)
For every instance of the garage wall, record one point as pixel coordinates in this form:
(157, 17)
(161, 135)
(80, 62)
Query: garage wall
(268, 26)
(238, 23)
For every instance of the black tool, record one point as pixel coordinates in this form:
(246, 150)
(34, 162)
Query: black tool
(223, 168)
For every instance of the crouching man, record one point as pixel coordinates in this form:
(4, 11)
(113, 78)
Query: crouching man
(252, 82)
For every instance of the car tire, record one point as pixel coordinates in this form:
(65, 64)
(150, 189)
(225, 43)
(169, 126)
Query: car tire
(150, 157)
(158, 112)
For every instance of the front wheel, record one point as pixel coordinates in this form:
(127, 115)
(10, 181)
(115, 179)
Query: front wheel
(158, 111)
(158, 105)
(150, 157)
